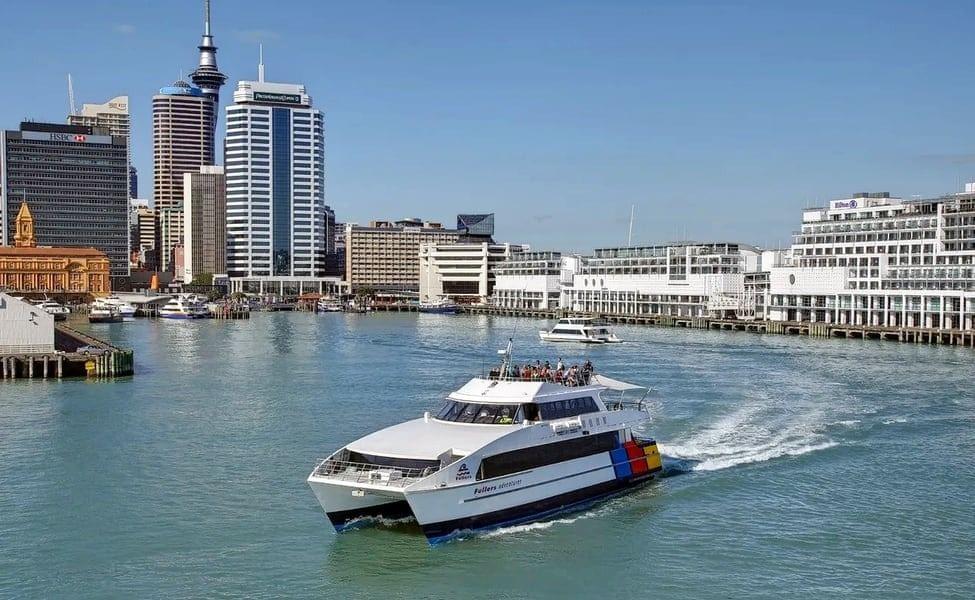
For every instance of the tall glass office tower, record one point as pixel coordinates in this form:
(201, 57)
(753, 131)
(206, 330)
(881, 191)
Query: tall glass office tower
(275, 166)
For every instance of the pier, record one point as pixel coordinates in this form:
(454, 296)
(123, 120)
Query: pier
(912, 335)
(76, 355)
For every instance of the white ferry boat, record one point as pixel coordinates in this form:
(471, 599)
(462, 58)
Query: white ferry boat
(327, 305)
(124, 308)
(580, 329)
(184, 306)
(502, 451)
(103, 313)
(59, 311)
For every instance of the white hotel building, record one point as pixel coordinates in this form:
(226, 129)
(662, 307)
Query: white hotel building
(275, 168)
(870, 260)
(683, 279)
(881, 261)
(533, 280)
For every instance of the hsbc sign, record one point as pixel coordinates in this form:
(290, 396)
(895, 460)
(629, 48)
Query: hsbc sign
(71, 138)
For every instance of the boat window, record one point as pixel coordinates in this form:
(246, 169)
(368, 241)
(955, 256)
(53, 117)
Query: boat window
(483, 414)
(530, 411)
(562, 409)
(567, 331)
(516, 461)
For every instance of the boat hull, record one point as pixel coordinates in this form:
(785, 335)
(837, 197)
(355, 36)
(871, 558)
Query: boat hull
(538, 510)
(439, 310)
(346, 510)
(116, 318)
(523, 497)
(547, 337)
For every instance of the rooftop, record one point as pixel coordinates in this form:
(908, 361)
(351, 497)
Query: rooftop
(52, 252)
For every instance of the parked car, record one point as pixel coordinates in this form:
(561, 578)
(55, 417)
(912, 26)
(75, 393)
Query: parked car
(90, 350)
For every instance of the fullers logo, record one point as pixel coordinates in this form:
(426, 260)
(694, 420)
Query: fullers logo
(463, 472)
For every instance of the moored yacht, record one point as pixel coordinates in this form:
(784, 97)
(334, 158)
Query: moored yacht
(502, 451)
(59, 311)
(440, 306)
(329, 305)
(580, 329)
(184, 306)
(103, 313)
(124, 308)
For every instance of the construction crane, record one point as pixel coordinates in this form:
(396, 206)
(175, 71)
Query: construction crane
(71, 105)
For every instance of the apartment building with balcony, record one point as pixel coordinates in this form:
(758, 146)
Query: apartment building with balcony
(875, 260)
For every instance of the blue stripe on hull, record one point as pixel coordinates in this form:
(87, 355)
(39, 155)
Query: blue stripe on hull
(573, 501)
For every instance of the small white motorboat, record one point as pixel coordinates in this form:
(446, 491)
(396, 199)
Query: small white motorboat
(59, 311)
(586, 330)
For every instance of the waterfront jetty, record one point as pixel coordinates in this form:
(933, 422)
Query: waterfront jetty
(33, 346)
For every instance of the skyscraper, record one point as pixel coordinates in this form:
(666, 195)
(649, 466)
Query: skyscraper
(76, 180)
(275, 164)
(113, 116)
(207, 76)
(182, 142)
(205, 222)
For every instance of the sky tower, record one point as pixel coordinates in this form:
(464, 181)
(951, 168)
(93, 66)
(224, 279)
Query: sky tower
(207, 76)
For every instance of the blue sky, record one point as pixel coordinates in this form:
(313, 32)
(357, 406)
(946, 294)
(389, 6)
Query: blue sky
(718, 120)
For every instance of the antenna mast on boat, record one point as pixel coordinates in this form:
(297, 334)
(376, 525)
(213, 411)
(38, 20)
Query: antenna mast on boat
(505, 360)
(629, 237)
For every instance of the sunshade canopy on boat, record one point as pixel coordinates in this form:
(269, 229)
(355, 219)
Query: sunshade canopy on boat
(614, 384)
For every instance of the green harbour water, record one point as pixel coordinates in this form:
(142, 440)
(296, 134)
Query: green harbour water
(795, 467)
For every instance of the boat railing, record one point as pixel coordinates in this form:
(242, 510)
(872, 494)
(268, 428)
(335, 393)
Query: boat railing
(623, 403)
(356, 472)
(577, 382)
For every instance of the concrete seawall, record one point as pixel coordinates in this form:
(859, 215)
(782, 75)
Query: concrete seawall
(914, 335)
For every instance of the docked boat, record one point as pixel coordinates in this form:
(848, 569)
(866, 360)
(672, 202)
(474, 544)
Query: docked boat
(356, 307)
(502, 451)
(327, 305)
(184, 306)
(586, 330)
(58, 311)
(441, 306)
(124, 308)
(103, 313)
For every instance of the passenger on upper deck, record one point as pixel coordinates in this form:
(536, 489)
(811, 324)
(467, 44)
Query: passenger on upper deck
(569, 376)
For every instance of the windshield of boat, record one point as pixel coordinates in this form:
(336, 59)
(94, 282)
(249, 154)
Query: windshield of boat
(483, 414)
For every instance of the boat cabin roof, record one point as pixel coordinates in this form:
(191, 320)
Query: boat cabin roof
(495, 391)
(579, 321)
(427, 439)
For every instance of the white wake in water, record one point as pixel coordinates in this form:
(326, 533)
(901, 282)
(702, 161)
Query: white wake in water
(537, 526)
(541, 525)
(754, 433)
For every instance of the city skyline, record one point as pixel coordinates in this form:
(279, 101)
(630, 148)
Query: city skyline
(538, 115)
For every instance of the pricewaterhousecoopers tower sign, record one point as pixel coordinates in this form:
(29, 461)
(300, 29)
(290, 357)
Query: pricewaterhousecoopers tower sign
(277, 98)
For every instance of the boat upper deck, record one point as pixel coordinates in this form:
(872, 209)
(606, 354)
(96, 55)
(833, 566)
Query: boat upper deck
(494, 390)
